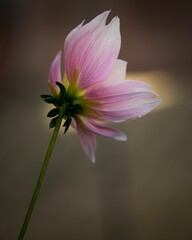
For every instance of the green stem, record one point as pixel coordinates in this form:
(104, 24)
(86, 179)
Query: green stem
(42, 173)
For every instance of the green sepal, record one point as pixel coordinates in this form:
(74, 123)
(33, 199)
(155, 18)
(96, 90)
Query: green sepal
(62, 91)
(53, 100)
(54, 112)
(75, 109)
(49, 98)
(67, 123)
(53, 122)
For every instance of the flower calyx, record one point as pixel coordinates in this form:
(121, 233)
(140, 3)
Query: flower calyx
(63, 100)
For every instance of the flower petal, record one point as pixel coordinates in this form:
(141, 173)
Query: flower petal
(106, 131)
(137, 108)
(118, 71)
(87, 139)
(76, 35)
(93, 50)
(55, 74)
(99, 20)
(118, 90)
(71, 36)
(124, 99)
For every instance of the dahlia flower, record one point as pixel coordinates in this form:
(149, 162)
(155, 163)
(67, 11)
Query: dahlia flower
(92, 92)
(93, 87)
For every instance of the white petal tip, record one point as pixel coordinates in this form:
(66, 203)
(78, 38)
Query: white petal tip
(115, 21)
(121, 137)
(93, 159)
(107, 12)
(158, 101)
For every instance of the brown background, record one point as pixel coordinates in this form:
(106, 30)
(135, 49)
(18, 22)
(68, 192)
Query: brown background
(137, 190)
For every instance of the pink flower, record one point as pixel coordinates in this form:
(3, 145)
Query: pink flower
(94, 79)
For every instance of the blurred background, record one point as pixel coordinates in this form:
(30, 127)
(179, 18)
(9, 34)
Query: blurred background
(137, 190)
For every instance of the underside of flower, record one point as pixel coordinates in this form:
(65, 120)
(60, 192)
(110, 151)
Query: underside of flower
(74, 100)
(72, 103)
(94, 90)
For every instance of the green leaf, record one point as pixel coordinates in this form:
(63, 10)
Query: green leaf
(54, 112)
(53, 122)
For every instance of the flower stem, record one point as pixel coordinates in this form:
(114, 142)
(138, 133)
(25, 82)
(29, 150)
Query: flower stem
(42, 173)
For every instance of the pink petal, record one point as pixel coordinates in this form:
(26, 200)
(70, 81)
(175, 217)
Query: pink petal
(123, 99)
(76, 35)
(136, 109)
(93, 50)
(99, 20)
(87, 139)
(118, 71)
(55, 73)
(71, 36)
(106, 131)
(118, 90)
